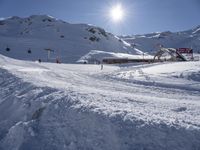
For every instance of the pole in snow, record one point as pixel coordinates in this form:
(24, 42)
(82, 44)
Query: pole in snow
(48, 52)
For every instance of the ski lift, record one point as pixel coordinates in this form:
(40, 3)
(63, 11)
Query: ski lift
(29, 51)
(7, 49)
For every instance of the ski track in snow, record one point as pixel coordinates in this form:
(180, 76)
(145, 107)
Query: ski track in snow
(135, 93)
(101, 90)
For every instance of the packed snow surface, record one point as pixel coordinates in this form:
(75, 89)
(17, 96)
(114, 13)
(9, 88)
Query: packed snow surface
(76, 106)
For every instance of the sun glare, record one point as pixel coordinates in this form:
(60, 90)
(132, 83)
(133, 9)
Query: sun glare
(117, 13)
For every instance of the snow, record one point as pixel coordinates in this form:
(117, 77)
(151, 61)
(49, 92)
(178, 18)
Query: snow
(148, 42)
(196, 30)
(97, 56)
(80, 106)
(69, 42)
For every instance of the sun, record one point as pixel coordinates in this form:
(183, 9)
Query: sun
(117, 13)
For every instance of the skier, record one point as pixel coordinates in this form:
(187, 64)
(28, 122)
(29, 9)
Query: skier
(101, 66)
(57, 60)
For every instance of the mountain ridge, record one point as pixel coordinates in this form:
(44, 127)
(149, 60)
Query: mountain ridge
(149, 42)
(29, 38)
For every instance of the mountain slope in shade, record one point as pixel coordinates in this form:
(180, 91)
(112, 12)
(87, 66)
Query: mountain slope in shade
(150, 42)
(27, 39)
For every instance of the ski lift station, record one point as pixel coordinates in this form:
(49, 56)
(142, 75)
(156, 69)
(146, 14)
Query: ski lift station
(180, 54)
(163, 54)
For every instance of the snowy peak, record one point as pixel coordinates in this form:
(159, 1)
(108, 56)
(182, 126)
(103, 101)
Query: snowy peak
(32, 18)
(149, 42)
(28, 20)
(68, 41)
(36, 22)
(15, 26)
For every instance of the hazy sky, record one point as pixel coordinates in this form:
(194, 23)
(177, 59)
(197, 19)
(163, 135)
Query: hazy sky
(142, 16)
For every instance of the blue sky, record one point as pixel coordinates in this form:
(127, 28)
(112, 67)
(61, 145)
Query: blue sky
(142, 16)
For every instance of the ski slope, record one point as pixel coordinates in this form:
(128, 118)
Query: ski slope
(77, 106)
(29, 38)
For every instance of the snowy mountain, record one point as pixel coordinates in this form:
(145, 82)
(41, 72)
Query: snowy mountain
(48, 106)
(52, 106)
(150, 42)
(31, 38)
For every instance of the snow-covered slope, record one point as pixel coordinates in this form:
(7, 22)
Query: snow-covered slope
(27, 39)
(97, 56)
(69, 107)
(150, 42)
